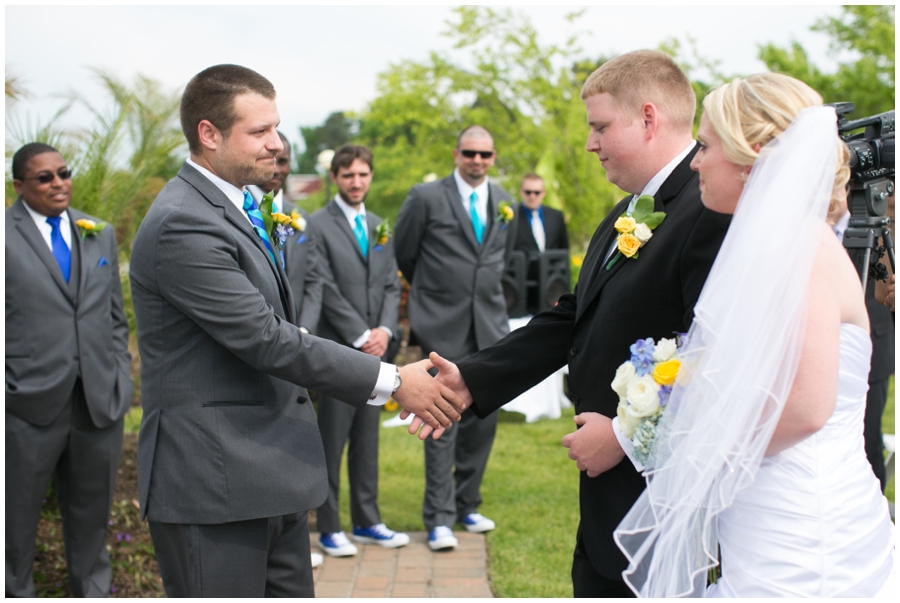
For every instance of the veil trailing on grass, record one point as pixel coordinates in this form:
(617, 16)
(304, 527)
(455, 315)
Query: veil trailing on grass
(738, 365)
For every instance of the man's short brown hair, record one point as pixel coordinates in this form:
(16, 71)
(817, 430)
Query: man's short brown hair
(530, 176)
(642, 76)
(210, 95)
(347, 154)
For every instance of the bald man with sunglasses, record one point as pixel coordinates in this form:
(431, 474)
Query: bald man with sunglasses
(452, 248)
(68, 383)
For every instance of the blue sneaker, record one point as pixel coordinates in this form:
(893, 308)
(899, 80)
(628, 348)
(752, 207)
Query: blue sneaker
(379, 534)
(442, 538)
(336, 544)
(476, 522)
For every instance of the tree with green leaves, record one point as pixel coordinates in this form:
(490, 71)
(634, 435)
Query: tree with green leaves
(336, 130)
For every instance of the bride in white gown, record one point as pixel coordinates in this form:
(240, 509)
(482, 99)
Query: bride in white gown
(760, 453)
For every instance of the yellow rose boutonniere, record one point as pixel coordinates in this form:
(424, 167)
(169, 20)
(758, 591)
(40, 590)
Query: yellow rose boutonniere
(635, 229)
(382, 235)
(505, 213)
(89, 228)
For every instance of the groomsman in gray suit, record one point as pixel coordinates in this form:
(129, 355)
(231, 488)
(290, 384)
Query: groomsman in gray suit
(299, 248)
(230, 458)
(360, 307)
(68, 383)
(451, 246)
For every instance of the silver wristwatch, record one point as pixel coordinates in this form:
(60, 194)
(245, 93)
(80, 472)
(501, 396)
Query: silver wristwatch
(397, 382)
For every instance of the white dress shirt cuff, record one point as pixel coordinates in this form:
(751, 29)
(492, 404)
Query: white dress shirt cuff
(362, 339)
(626, 444)
(384, 387)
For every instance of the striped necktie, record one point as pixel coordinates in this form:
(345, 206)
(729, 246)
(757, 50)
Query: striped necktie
(256, 219)
(361, 236)
(61, 251)
(477, 224)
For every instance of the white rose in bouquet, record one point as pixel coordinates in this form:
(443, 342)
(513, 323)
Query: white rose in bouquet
(665, 350)
(643, 395)
(624, 375)
(628, 421)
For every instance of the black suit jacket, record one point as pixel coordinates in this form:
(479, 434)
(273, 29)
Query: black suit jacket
(592, 329)
(554, 231)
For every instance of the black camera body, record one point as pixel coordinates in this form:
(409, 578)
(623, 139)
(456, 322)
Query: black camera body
(872, 167)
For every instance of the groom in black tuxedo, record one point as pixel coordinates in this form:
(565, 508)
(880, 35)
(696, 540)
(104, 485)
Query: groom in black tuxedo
(640, 109)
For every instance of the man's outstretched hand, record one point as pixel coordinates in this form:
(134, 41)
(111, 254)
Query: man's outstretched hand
(594, 446)
(448, 375)
(433, 403)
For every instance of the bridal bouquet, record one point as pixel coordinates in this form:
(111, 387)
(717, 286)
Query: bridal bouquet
(644, 384)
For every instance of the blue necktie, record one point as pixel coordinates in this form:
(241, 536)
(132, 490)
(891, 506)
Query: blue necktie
(361, 237)
(256, 219)
(60, 250)
(477, 225)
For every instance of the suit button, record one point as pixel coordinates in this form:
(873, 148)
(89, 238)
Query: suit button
(573, 351)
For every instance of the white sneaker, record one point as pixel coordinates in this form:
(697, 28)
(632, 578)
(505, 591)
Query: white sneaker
(336, 544)
(442, 538)
(476, 522)
(317, 559)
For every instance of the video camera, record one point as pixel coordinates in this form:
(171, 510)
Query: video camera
(871, 183)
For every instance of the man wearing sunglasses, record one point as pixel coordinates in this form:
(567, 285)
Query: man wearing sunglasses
(451, 246)
(68, 383)
(541, 229)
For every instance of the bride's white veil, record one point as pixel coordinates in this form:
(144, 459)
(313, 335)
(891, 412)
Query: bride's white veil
(740, 361)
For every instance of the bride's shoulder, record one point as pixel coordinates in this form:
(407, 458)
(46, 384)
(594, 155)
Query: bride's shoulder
(834, 275)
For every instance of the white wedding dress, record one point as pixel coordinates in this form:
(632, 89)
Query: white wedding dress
(814, 522)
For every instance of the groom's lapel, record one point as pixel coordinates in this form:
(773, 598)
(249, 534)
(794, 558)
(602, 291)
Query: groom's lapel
(595, 267)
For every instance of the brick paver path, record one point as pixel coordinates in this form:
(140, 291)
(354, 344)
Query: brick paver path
(410, 571)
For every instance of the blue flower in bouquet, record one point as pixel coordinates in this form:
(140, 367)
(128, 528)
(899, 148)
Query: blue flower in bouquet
(282, 232)
(664, 392)
(642, 356)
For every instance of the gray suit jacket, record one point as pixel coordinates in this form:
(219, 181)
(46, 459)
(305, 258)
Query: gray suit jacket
(455, 281)
(359, 293)
(228, 433)
(56, 332)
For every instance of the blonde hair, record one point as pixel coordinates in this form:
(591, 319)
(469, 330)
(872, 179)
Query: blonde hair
(635, 78)
(746, 114)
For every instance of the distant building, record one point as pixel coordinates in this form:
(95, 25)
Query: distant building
(300, 186)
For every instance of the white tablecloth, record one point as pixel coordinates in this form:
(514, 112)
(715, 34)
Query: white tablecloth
(546, 399)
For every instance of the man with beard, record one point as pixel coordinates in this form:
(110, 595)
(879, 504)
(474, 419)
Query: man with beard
(230, 458)
(360, 306)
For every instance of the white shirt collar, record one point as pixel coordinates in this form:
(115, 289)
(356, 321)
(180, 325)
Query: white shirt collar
(465, 189)
(234, 194)
(40, 220)
(349, 212)
(653, 186)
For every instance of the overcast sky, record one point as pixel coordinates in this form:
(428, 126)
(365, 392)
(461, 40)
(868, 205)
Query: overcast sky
(327, 58)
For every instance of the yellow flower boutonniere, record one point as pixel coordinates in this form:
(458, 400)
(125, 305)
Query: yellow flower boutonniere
(505, 213)
(382, 235)
(89, 228)
(635, 229)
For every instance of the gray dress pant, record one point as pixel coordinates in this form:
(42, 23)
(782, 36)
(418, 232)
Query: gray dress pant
(266, 557)
(84, 461)
(338, 423)
(455, 463)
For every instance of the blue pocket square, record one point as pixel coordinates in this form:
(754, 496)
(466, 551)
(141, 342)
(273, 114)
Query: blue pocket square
(102, 261)
(301, 238)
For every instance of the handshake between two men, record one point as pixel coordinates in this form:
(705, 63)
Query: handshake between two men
(593, 445)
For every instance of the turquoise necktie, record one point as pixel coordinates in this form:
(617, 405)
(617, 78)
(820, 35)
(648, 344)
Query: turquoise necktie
(256, 219)
(477, 224)
(61, 251)
(361, 237)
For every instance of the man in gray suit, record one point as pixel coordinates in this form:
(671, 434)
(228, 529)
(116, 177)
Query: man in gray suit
(230, 458)
(360, 307)
(299, 249)
(68, 383)
(451, 246)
